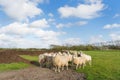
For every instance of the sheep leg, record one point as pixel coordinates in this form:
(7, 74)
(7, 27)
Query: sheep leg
(55, 68)
(76, 66)
(67, 67)
(72, 63)
(59, 68)
(62, 67)
(79, 66)
(40, 64)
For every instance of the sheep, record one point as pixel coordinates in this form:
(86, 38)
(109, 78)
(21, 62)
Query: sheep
(87, 57)
(79, 61)
(59, 61)
(75, 53)
(41, 59)
(48, 61)
(56, 63)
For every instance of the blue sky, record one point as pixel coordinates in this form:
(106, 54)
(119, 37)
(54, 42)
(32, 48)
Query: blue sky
(40, 23)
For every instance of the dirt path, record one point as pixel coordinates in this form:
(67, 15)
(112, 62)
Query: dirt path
(37, 73)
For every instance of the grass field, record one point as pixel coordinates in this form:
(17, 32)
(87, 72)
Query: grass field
(12, 66)
(105, 65)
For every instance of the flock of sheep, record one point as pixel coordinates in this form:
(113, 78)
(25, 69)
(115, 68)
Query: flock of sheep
(60, 60)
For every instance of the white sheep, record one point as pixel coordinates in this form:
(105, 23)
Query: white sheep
(75, 53)
(59, 61)
(87, 57)
(79, 61)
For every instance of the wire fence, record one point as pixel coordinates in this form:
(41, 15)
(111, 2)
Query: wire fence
(107, 43)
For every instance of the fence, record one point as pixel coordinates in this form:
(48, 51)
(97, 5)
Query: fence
(107, 43)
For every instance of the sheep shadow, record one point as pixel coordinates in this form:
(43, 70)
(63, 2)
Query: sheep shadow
(35, 63)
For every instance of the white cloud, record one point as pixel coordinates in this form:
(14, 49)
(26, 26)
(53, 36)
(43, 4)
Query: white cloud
(72, 41)
(8, 41)
(79, 23)
(50, 14)
(91, 9)
(43, 23)
(110, 26)
(20, 10)
(93, 1)
(37, 1)
(60, 25)
(52, 21)
(96, 39)
(15, 28)
(115, 36)
(116, 15)
(20, 35)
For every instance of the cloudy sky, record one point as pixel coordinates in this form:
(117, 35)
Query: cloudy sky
(40, 23)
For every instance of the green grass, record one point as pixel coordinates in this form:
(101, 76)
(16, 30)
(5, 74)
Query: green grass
(20, 65)
(12, 66)
(30, 58)
(105, 65)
